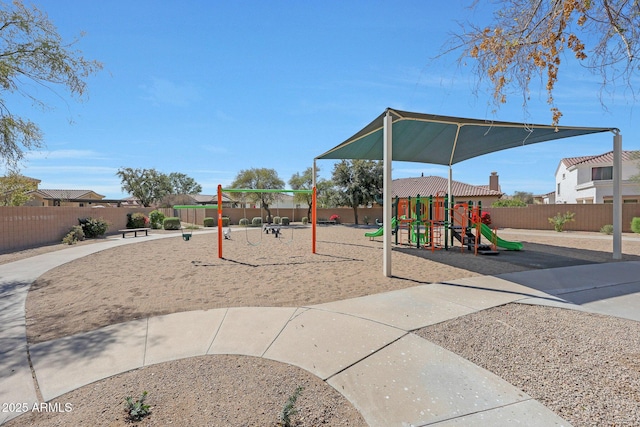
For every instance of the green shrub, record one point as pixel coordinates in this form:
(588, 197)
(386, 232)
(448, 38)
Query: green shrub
(289, 408)
(607, 229)
(508, 203)
(137, 220)
(209, 222)
(93, 227)
(225, 221)
(244, 222)
(560, 220)
(156, 218)
(138, 409)
(285, 220)
(277, 220)
(366, 220)
(171, 223)
(256, 221)
(75, 234)
(635, 225)
(305, 220)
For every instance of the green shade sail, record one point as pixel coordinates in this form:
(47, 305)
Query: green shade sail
(444, 140)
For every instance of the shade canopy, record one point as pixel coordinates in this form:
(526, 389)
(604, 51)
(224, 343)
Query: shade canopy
(444, 140)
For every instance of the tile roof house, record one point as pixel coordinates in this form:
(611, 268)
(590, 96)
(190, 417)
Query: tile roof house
(79, 198)
(433, 185)
(589, 179)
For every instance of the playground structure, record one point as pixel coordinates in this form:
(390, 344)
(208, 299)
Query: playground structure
(434, 223)
(253, 190)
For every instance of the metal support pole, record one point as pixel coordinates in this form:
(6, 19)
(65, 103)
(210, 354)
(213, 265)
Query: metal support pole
(617, 196)
(386, 192)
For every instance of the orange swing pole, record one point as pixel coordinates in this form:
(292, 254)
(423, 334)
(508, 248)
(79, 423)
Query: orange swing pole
(219, 221)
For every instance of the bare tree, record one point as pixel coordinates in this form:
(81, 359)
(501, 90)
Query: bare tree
(529, 38)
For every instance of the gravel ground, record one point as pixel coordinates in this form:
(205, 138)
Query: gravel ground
(221, 390)
(585, 367)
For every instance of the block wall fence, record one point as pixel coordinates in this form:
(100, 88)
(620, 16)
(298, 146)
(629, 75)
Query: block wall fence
(29, 226)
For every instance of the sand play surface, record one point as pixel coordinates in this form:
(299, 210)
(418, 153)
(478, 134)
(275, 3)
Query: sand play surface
(170, 275)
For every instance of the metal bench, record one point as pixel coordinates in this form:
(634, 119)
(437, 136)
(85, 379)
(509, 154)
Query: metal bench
(135, 231)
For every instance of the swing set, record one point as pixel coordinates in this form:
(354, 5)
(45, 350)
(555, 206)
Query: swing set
(274, 229)
(186, 235)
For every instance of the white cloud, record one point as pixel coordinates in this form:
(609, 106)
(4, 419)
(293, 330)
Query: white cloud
(165, 92)
(64, 154)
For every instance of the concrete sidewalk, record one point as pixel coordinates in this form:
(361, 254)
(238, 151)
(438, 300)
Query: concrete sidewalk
(363, 347)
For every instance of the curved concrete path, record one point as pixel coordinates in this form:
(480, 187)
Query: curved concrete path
(363, 347)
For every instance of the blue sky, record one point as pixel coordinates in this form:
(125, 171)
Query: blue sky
(208, 88)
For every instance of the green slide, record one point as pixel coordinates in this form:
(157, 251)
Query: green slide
(380, 231)
(510, 246)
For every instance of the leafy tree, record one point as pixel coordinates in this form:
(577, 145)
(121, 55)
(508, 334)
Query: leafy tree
(15, 188)
(303, 181)
(146, 185)
(259, 178)
(327, 195)
(358, 182)
(183, 184)
(528, 39)
(33, 55)
(524, 196)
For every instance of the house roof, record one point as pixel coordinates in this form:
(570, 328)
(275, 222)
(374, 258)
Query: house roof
(432, 185)
(598, 158)
(67, 194)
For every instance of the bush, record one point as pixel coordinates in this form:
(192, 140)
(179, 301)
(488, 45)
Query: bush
(635, 225)
(75, 235)
(486, 218)
(508, 203)
(93, 227)
(225, 221)
(560, 220)
(256, 221)
(137, 220)
(171, 223)
(209, 222)
(137, 410)
(156, 218)
(277, 220)
(285, 220)
(244, 222)
(607, 229)
(305, 220)
(366, 220)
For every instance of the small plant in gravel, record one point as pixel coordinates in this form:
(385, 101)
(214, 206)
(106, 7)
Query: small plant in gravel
(560, 220)
(635, 224)
(607, 229)
(289, 409)
(137, 410)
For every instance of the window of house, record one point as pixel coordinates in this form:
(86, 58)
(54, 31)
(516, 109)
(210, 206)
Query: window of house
(602, 173)
(630, 201)
(563, 176)
(558, 191)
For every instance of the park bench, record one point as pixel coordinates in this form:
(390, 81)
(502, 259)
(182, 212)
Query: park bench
(326, 221)
(135, 231)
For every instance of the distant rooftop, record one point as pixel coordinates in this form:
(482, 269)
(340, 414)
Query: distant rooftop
(432, 185)
(599, 158)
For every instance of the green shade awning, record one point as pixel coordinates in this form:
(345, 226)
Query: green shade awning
(443, 140)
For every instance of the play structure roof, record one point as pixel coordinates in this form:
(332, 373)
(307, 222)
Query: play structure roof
(444, 140)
